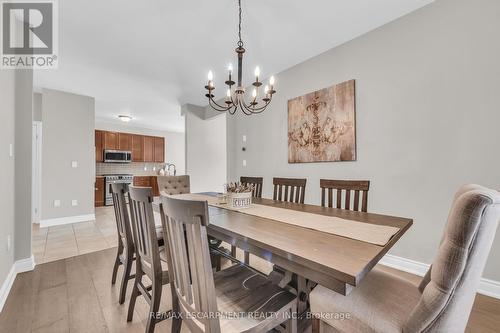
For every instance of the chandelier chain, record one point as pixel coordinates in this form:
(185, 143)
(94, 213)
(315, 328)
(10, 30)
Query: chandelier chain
(240, 42)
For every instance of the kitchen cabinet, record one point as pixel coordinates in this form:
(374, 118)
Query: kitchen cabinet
(159, 150)
(99, 155)
(110, 140)
(143, 181)
(137, 148)
(149, 149)
(144, 148)
(147, 181)
(125, 141)
(154, 186)
(99, 192)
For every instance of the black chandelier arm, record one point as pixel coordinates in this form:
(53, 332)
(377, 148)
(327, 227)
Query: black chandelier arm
(254, 110)
(218, 107)
(244, 109)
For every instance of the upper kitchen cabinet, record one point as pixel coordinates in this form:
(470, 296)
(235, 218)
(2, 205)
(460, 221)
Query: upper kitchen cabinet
(149, 148)
(99, 146)
(125, 141)
(111, 140)
(144, 148)
(159, 150)
(137, 148)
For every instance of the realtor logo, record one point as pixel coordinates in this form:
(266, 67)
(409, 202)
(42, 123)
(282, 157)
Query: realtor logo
(29, 34)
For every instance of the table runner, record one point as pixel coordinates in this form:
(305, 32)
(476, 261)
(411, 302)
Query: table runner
(365, 232)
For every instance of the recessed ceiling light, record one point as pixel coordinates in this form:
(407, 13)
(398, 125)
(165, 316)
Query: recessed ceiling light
(125, 118)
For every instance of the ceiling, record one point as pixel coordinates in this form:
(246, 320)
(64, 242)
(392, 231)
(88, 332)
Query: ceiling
(146, 58)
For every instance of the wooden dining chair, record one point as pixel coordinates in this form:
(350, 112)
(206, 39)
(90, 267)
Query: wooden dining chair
(197, 290)
(256, 182)
(331, 188)
(148, 255)
(289, 189)
(384, 302)
(125, 254)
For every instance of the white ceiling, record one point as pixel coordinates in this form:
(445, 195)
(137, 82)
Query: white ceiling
(146, 58)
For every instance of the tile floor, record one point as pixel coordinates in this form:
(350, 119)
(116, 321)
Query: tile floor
(65, 241)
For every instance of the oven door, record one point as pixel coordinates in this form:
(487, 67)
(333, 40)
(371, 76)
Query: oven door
(117, 156)
(108, 199)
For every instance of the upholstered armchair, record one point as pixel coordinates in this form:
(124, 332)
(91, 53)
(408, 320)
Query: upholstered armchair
(443, 301)
(169, 185)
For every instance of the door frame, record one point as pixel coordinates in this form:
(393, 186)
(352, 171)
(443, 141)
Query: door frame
(36, 172)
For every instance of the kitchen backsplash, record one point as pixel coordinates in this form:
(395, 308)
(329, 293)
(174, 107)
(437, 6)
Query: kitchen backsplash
(134, 168)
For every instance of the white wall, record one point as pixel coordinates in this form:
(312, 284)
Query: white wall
(68, 135)
(174, 142)
(206, 151)
(428, 118)
(23, 165)
(7, 116)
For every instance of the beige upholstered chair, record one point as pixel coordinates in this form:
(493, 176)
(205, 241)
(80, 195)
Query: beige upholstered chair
(442, 303)
(169, 185)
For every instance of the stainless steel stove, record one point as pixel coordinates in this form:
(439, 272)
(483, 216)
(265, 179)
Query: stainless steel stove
(115, 179)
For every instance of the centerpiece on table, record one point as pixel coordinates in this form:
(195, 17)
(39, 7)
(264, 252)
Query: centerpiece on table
(239, 195)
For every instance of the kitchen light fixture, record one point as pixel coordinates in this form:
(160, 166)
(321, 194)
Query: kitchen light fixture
(235, 98)
(125, 118)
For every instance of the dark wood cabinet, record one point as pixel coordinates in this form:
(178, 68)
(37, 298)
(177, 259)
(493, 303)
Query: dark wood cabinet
(110, 140)
(99, 192)
(125, 141)
(137, 148)
(147, 181)
(143, 181)
(149, 149)
(99, 148)
(144, 148)
(159, 150)
(154, 186)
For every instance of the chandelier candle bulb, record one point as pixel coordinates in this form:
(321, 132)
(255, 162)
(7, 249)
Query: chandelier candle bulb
(210, 76)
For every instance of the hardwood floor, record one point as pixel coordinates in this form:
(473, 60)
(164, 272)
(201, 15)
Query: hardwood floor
(76, 295)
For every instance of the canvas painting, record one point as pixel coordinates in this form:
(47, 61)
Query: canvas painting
(322, 125)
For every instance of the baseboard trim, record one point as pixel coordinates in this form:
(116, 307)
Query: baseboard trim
(19, 266)
(66, 220)
(487, 287)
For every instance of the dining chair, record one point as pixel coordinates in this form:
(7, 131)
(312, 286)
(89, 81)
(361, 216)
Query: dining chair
(197, 290)
(256, 182)
(125, 251)
(442, 302)
(289, 189)
(359, 187)
(169, 185)
(149, 256)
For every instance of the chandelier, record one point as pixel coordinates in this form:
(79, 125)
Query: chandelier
(235, 97)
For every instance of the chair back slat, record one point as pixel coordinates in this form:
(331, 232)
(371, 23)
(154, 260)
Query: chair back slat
(257, 185)
(125, 238)
(144, 230)
(346, 186)
(289, 189)
(184, 223)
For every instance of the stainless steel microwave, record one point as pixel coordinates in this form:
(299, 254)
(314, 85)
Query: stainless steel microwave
(117, 156)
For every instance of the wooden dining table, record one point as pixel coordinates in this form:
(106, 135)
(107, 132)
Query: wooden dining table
(307, 256)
